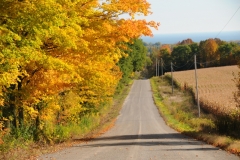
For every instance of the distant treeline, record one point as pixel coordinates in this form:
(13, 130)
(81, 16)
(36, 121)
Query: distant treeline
(210, 53)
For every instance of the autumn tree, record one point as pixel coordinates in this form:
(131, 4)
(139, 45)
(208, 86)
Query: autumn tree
(166, 47)
(52, 51)
(186, 42)
(165, 55)
(208, 52)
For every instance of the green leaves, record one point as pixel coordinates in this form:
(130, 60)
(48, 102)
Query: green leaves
(53, 49)
(134, 60)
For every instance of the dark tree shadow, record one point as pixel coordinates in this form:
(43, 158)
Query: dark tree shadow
(172, 139)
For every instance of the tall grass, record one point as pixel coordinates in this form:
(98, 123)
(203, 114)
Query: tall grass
(181, 113)
(23, 140)
(216, 88)
(178, 108)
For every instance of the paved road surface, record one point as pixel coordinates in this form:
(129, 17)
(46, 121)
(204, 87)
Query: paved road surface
(141, 134)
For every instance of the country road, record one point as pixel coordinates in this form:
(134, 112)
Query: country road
(141, 134)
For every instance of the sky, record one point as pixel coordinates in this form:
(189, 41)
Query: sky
(191, 16)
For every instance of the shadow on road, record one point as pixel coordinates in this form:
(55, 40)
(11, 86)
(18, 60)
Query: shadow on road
(173, 139)
(141, 136)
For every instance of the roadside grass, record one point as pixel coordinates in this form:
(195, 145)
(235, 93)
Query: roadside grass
(180, 112)
(23, 146)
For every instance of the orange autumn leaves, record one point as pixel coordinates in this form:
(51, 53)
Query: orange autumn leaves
(55, 48)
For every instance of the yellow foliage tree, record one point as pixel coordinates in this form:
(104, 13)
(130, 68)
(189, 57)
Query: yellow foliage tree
(52, 48)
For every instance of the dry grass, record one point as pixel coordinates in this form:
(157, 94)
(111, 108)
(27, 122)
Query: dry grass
(180, 113)
(216, 87)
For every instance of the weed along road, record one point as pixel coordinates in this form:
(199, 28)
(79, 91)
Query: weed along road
(141, 134)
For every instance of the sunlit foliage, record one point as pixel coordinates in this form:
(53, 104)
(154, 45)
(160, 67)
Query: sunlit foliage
(58, 57)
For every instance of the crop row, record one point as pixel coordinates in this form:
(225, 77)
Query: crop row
(215, 88)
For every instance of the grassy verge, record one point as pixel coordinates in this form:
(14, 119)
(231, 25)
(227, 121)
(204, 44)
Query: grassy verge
(180, 112)
(23, 146)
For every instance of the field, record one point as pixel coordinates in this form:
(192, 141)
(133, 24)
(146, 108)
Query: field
(215, 87)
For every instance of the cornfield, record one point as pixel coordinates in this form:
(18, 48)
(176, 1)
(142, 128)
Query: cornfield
(216, 88)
